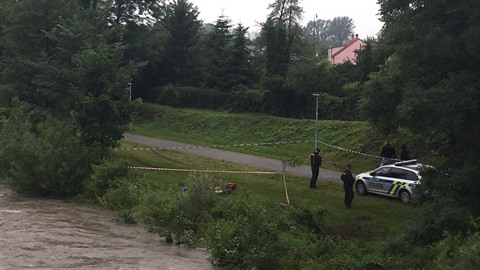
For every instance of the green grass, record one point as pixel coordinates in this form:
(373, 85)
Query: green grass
(371, 217)
(205, 127)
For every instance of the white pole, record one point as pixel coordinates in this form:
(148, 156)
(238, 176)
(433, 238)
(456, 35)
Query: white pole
(130, 90)
(316, 120)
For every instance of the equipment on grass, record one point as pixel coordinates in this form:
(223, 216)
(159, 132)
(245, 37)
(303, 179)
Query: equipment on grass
(227, 189)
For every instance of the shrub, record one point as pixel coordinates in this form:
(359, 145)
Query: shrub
(457, 252)
(311, 219)
(122, 198)
(179, 213)
(341, 253)
(244, 235)
(298, 248)
(42, 155)
(168, 96)
(436, 218)
(106, 176)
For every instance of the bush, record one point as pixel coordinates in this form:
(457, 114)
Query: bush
(348, 254)
(310, 219)
(436, 218)
(298, 248)
(106, 176)
(177, 213)
(457, 252)
(42, 155)
(243, 235)
(124, 197)
(239, 100)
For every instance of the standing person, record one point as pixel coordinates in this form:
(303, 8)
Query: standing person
(387, 154)
(404, 153)
(348, 181)
(315, 163)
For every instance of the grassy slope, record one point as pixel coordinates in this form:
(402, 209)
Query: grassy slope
(218, 128)
(371, 216)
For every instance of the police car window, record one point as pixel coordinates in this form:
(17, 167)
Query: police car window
(411, 176)
(381, 172)
(397, 173)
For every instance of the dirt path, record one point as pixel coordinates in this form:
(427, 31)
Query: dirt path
(239, 158)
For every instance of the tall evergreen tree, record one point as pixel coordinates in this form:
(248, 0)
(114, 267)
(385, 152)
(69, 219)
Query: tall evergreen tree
(219, 53)
(280, 29)
(241, 72)
(182, 25)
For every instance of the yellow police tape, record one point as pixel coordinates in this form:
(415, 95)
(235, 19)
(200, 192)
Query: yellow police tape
(201, 146)
(204, 171)
(243, 145)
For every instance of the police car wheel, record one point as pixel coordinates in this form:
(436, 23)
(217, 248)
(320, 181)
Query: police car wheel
(404, 196)
(361, 188)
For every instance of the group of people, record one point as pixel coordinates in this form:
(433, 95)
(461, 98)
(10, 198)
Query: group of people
(387, 156)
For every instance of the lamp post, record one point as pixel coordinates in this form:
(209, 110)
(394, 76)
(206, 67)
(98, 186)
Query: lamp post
(130, 90)
(316, 120)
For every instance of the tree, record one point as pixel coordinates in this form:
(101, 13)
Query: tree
(123, 11)
(316, 34)
(340, 29)
(278, 49)
(241, 71)
(63, 88)
(280, 31)
(33, 66)
(59, 61)
(219, 45)
(182, 25)
(430, 84)
(145, 45)
(322, 34)
(286, 12)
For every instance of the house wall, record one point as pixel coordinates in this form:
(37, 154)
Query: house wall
(349, 54)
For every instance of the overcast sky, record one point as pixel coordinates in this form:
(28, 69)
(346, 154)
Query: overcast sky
(251, 12)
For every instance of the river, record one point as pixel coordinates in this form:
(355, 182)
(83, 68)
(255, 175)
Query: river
(39, 233)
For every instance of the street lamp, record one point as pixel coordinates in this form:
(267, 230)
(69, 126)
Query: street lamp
(130, 90)
(316, 120)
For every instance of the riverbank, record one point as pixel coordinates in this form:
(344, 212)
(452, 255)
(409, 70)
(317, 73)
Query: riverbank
(52, 234)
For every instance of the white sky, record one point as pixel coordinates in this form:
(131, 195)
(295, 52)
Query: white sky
(251, 12)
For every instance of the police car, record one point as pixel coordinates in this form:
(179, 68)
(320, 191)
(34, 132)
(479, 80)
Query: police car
(397, 180)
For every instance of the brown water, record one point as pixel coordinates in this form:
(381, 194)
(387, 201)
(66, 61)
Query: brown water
(52, 234)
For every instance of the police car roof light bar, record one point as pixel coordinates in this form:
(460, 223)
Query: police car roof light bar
(406, 162)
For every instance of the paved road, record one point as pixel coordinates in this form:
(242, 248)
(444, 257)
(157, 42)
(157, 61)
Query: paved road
(239, 158)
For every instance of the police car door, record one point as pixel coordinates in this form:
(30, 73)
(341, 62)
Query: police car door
(397, 178)
(376, 184)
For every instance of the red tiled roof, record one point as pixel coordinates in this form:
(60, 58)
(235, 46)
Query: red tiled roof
(345, 45)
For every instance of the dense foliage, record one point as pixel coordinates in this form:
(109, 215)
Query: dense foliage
(67, 66)
(430, 85)
(63, 82)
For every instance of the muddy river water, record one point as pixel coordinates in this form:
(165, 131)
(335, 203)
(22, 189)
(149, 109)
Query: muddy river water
(51, 234)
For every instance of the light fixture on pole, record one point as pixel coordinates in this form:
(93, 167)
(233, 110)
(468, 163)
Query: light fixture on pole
(130, 90)
(316, 120)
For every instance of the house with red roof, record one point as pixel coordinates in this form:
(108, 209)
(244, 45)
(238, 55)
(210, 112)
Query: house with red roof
(347, 51)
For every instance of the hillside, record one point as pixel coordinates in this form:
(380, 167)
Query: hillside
(224, 129)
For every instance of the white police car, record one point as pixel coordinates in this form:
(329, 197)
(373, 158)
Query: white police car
(395, 180)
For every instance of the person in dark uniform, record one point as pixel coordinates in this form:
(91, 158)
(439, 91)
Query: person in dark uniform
(315, 163)
(387, 154)
(348, 181)
(404, 153)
